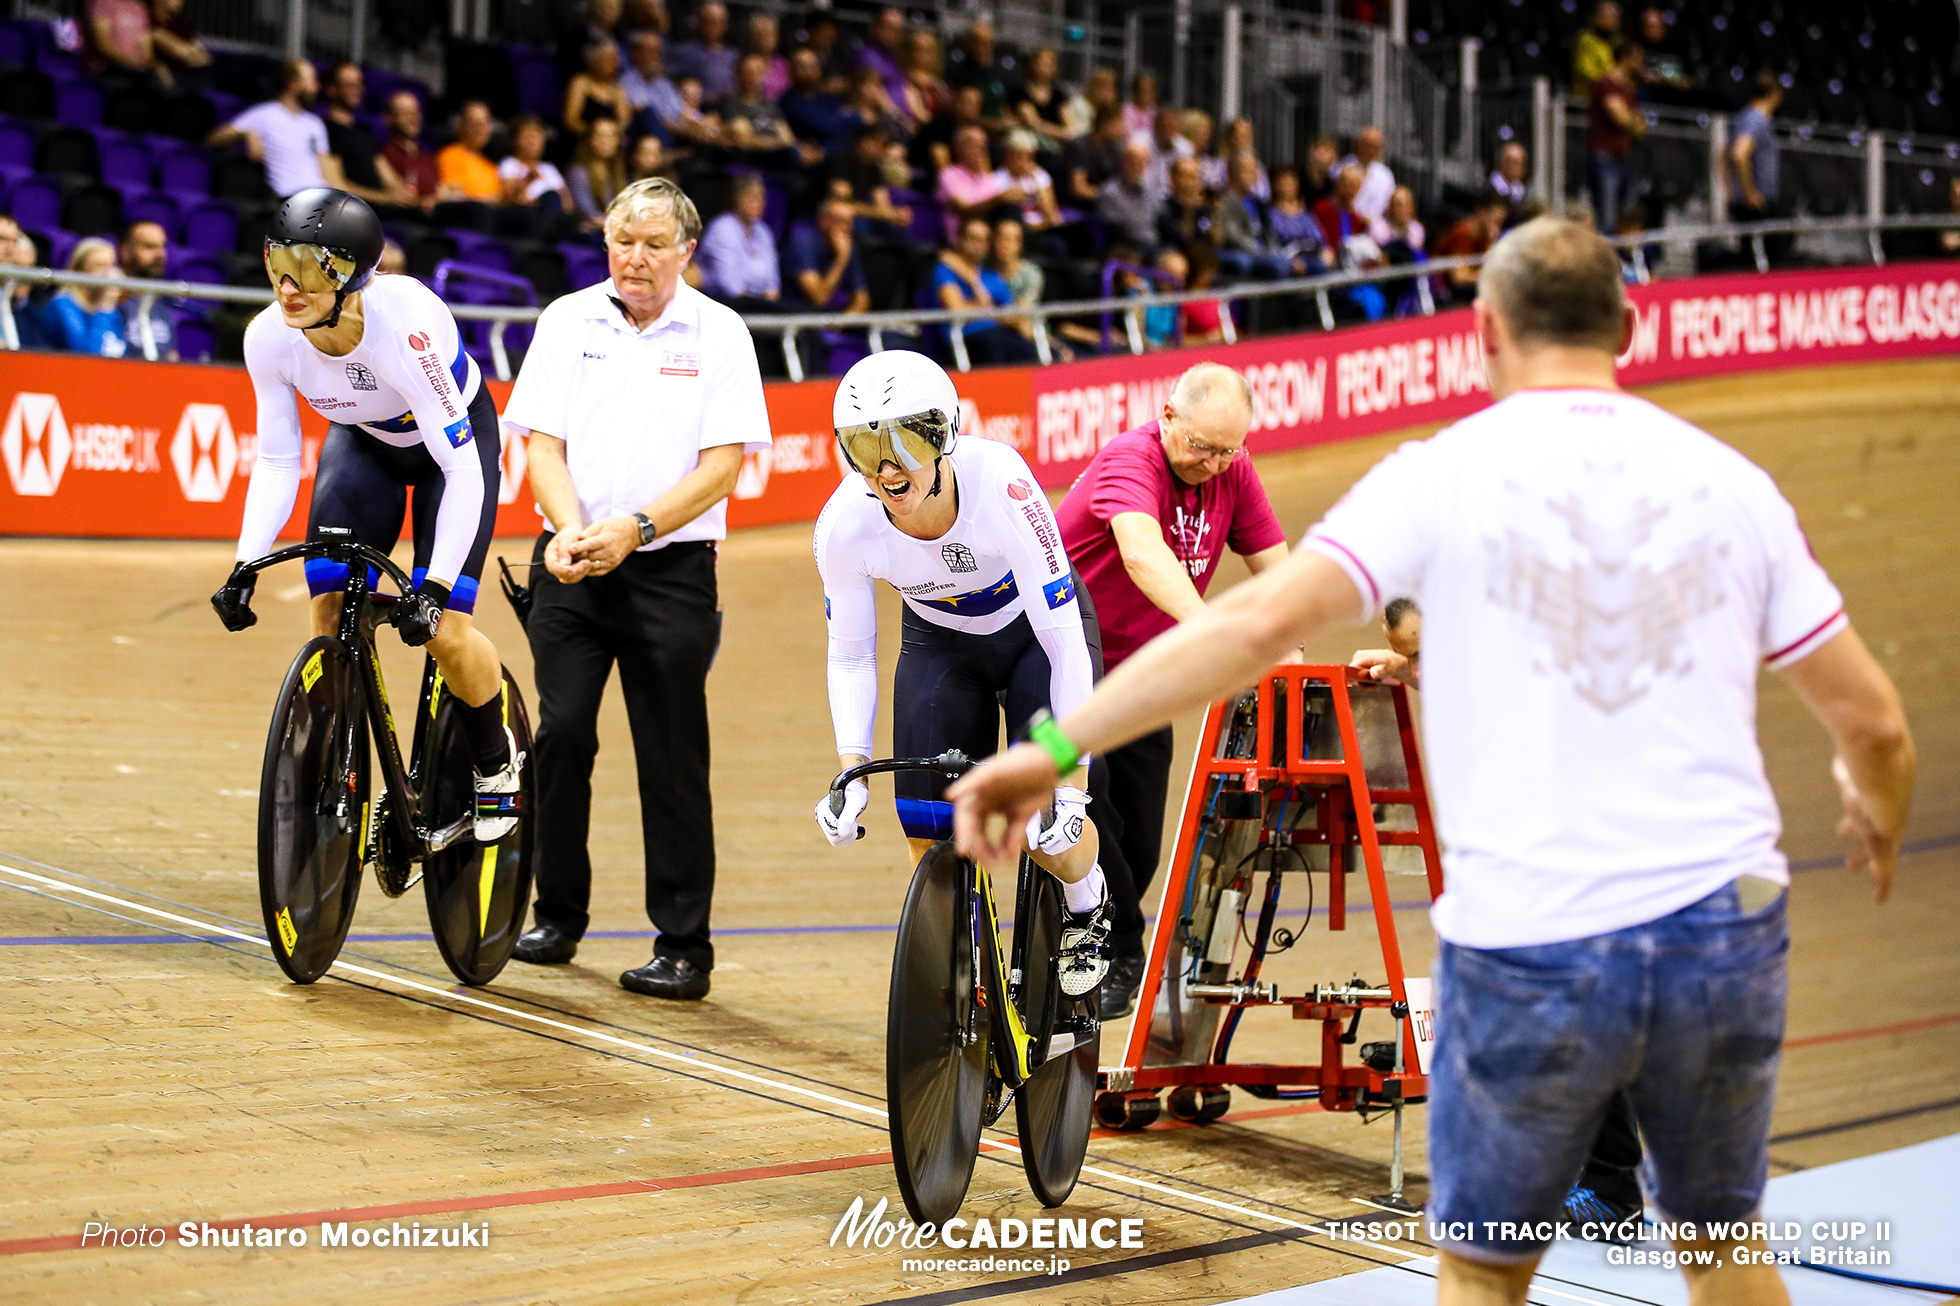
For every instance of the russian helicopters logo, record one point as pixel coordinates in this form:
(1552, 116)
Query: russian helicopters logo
(204, 452)
(35, 444)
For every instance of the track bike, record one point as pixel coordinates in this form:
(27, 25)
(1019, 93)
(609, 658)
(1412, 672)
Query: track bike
(969, 1030)
(318, 828)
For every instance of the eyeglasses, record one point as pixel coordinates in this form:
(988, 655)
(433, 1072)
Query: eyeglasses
(1199, 449)
(910, 443)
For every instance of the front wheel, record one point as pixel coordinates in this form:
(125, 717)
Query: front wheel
(476, 895)
(1053, 1109)
(313, 795)
(935, 1040)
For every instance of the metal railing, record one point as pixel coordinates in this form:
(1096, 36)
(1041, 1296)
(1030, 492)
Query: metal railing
(1750, 239)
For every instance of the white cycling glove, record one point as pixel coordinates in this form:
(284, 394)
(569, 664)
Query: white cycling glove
(842, 828)
(1057, 832)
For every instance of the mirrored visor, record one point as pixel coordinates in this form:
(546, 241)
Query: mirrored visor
(911, 443)
(313, 268)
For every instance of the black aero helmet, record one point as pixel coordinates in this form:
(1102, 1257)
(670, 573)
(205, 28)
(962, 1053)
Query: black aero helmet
(324, 239)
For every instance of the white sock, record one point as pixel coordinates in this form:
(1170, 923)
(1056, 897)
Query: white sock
(1086, 892)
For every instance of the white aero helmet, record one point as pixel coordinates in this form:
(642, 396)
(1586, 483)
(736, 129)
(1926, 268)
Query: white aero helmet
(896, 407)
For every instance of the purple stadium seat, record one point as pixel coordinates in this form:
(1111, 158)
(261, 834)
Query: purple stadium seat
(194, 268)
(196, 340)
(775, 207)
(584, 265)
(60, 245)
(15, 47)
(37, 203)
(79, 104)
(209, 228)
(539, 89)
(16, 145)
(494, 257)
(60, 66)
(125, 163)
(184, 172)
(227, 106)
(151, 207)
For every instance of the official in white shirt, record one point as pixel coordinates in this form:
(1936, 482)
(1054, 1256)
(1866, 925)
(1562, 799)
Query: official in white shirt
(641, 395)
(1601, 584)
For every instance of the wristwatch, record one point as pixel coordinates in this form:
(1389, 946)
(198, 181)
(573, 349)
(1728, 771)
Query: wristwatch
(646, 528)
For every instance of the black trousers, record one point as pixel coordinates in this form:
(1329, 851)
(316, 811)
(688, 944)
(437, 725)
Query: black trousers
(655, 618)
(1130, 818)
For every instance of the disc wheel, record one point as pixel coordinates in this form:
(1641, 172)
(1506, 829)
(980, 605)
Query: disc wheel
(935, 1041)
(1052, 1112)
(313, 794)
(476, 895)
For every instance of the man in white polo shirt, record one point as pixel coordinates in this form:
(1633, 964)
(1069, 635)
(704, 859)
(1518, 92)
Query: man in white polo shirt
(1600, 584)
(641, 395)
(285, 136)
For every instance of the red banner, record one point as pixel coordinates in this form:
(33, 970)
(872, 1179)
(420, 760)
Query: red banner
(120, 448)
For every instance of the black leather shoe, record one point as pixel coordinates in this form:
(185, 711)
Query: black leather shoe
(545, 945)
(1118, 995)
(667, 977)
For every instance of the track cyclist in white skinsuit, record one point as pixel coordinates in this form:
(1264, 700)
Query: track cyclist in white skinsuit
(382, 361)
(993, 619)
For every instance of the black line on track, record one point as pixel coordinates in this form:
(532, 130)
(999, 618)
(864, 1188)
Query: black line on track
(1883, 1117)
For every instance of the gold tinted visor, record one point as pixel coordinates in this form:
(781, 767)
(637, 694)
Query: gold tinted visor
(313, 268)
(911, 443)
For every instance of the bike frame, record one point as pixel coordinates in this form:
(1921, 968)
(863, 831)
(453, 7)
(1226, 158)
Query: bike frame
(361, 611)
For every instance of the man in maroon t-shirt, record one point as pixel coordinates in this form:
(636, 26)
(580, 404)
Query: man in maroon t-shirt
(1145, 525)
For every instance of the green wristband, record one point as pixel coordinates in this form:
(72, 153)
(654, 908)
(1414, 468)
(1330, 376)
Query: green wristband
(1043, 732)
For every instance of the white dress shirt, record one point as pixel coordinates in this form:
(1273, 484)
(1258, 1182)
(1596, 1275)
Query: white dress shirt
(1377, 187)
(635, 407)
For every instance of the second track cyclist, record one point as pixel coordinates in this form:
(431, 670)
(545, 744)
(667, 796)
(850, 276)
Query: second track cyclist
(993, 618)
(381, 359)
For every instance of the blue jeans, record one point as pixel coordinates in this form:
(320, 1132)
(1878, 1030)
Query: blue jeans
(1609, 186)
(1685, 1014)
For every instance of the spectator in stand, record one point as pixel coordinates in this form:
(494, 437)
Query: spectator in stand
(1128, 207)
(1026, 282)
(822, 272)
(814, 112)
(1399, 228)
(1203, 319)
(709, 56)
(1140, 113)
(962, 279)
(648, 158)
(737, 255)
(1161, 321)
(83, 319)
(1349, 245)
(1292, 228)
(654, 101)
(589, 22)
(1242, 226)
(883, 53)
(462, 165)
(530, 181)
(1377, 181)
(281, 134)
(1317, 182)
(598, 172)
(118, 44)
(976, 67)
(638, 16)
(927, 96)
(1101, 91)
(754, 124)
(1041, 103)
(931, 147)
(362, 169)
(1474, 233)
(1187, 216)
(1338, 220)
(867, 102)
(1665, 79)
(765, 39)
(1755, 194)
(694, 123)
(1613, 122)
(1594, 50)
(1238, 140)
(1950, 238)
(1508, 179)
(144, 255)
(861, 178)
(1040, 212)
(969, 187)
(17, 250)
(1167, 145)
(1197, 127)
(596, 91)
(1093, 158)
(415, 166)
(174, 40)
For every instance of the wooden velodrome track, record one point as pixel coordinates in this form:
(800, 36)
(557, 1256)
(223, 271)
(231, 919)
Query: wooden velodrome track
(622, 1149)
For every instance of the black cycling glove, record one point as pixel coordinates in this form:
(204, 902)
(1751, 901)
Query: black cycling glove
(418, 615)
(233, 603)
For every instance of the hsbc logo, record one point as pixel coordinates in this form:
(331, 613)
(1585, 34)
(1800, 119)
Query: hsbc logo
(35, 444)
(204, 452)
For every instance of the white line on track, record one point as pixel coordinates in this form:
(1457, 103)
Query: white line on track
(711, 1067)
